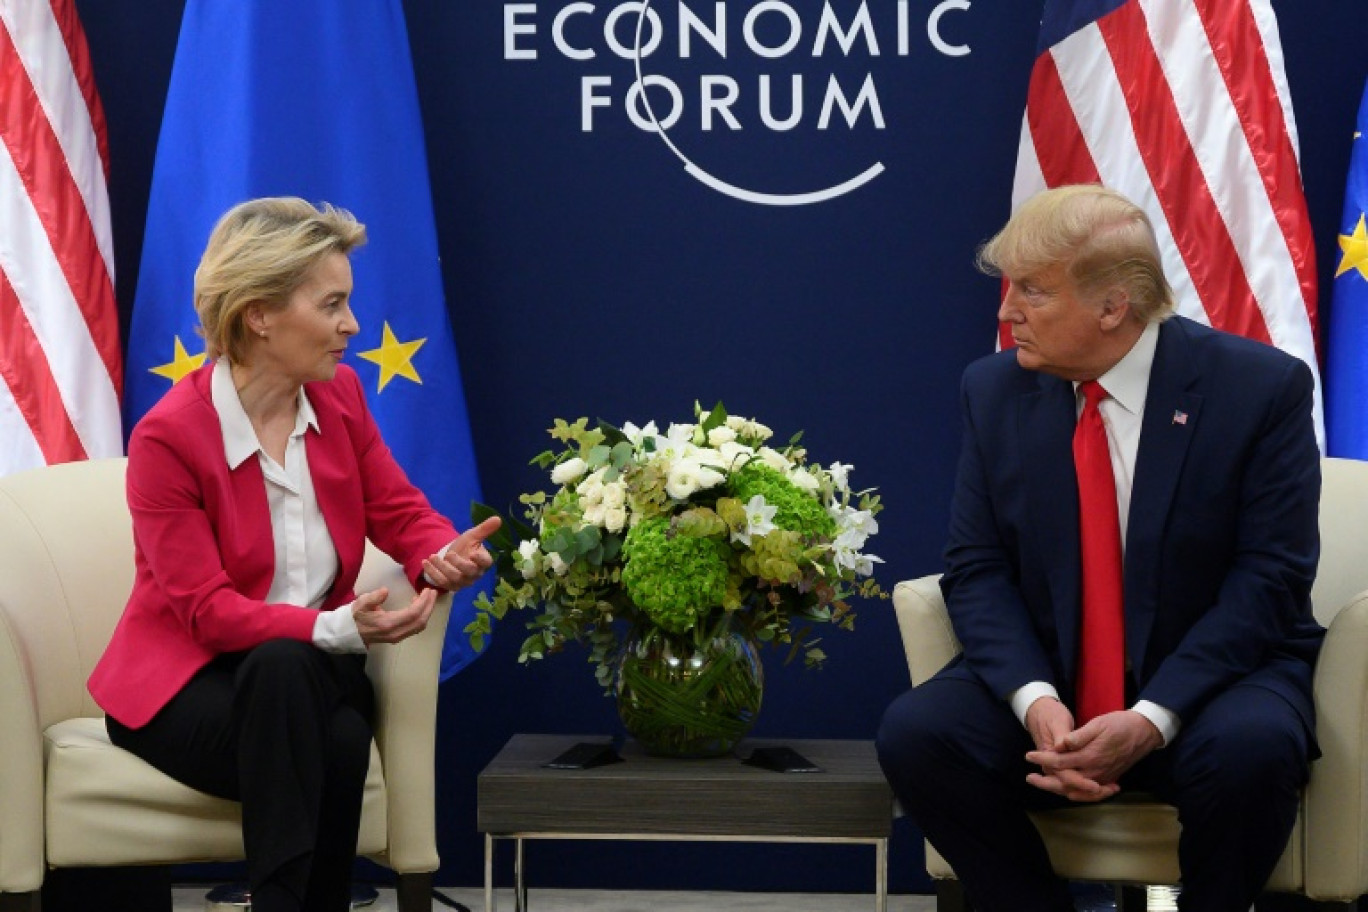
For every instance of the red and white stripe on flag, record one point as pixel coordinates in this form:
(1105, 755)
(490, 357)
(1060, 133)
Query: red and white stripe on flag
(60, 367)
(1183, 106)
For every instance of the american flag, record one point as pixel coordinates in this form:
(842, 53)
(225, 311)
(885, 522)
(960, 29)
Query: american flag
(1183, 106)
(60, 367)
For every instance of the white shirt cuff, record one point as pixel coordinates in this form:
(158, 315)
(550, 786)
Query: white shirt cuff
(1022, 698)
(1165, 720)
(335, 631)
(442, 553)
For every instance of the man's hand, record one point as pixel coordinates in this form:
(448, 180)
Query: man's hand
(1048, 720)
(465, 561)
(1086, 764)
(376, 625)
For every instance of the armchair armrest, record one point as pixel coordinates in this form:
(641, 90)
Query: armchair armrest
(405, 678)
(1336, 803)
(927, 635)
(22, 863)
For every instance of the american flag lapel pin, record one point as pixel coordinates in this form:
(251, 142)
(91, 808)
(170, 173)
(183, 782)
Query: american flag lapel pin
(1179, 417)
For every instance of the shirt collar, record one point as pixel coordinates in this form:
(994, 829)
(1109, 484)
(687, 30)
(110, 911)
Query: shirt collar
(1128, 380)
(239, 439)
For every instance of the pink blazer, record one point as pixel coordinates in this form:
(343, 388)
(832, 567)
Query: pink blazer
(202, 538)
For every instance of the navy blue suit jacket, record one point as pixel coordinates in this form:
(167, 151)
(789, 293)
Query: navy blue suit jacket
(1222, 542)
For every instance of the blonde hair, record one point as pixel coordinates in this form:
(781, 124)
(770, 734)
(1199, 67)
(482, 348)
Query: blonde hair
(259, 253)
(1103, 240)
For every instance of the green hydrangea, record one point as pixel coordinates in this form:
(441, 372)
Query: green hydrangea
(797, 511)
(675, 579)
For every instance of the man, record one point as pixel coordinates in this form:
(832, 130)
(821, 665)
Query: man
(1211, 503)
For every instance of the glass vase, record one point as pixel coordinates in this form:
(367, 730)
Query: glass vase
(690, 695)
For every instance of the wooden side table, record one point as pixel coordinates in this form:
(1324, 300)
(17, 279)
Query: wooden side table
(652, 798)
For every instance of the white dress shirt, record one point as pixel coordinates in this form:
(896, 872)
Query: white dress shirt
(1123, 413)
(305, 557)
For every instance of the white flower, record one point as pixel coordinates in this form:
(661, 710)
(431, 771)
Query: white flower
(591, 490)
(720, 435)
(774, 459)
(759, 520)
(845, 550)
(734, 455)
(614, 495)
(528, 552)
(860, 524)
(675, 442)
(558, 564)
(745, 427)
(636, 435)
(614, 518)
(594, 514)
(683, 479)
(804, 480)
(569, 470)
(840, 475)
(709, 478)
(864, 565)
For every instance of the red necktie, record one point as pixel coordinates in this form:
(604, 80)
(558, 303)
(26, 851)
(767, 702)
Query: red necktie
(1102, 648)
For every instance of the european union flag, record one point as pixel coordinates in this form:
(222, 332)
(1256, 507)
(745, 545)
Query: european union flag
(317, 99)
(1346, 384)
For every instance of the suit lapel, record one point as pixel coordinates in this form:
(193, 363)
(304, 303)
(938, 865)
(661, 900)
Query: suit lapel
(1171, 413)
(1046, 426)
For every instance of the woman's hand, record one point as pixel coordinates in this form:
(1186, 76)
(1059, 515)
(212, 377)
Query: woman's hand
(376, 625)
(465, 560)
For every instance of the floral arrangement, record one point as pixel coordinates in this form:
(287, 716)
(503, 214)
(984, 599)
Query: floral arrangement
(682, 531)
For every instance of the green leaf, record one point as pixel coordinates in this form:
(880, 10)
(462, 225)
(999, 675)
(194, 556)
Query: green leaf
(716, 418)
(597, 457)
(621, 455)
(611, 434)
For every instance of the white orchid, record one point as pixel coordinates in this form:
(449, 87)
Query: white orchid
(859, 523)
(840, 475)
(637, 434)
(676, 441)
(759, 520)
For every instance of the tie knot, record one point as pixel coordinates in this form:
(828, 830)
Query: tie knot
(1093, 393)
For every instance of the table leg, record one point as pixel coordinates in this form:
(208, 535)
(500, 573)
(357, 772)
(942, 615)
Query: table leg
(489, 872)
(881, 876)
(519, 885)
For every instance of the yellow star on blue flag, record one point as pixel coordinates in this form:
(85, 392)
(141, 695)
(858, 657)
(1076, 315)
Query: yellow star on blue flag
(180, 364)
(394, 358)
(1355, 247)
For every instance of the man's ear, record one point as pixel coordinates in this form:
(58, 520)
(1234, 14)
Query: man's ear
(1116, 308)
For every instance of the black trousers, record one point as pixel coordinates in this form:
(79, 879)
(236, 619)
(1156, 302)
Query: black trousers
(285, 729)
(955, 756)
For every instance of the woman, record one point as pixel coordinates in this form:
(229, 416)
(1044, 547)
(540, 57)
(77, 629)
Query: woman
(238, 665)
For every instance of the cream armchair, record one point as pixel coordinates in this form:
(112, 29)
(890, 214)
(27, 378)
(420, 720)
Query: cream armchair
(70, 798)
(1136, 841)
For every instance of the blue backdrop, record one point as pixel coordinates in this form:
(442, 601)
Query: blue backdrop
(588, 273)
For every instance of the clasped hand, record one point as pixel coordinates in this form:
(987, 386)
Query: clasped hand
(1085, 764)
(463, 562)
